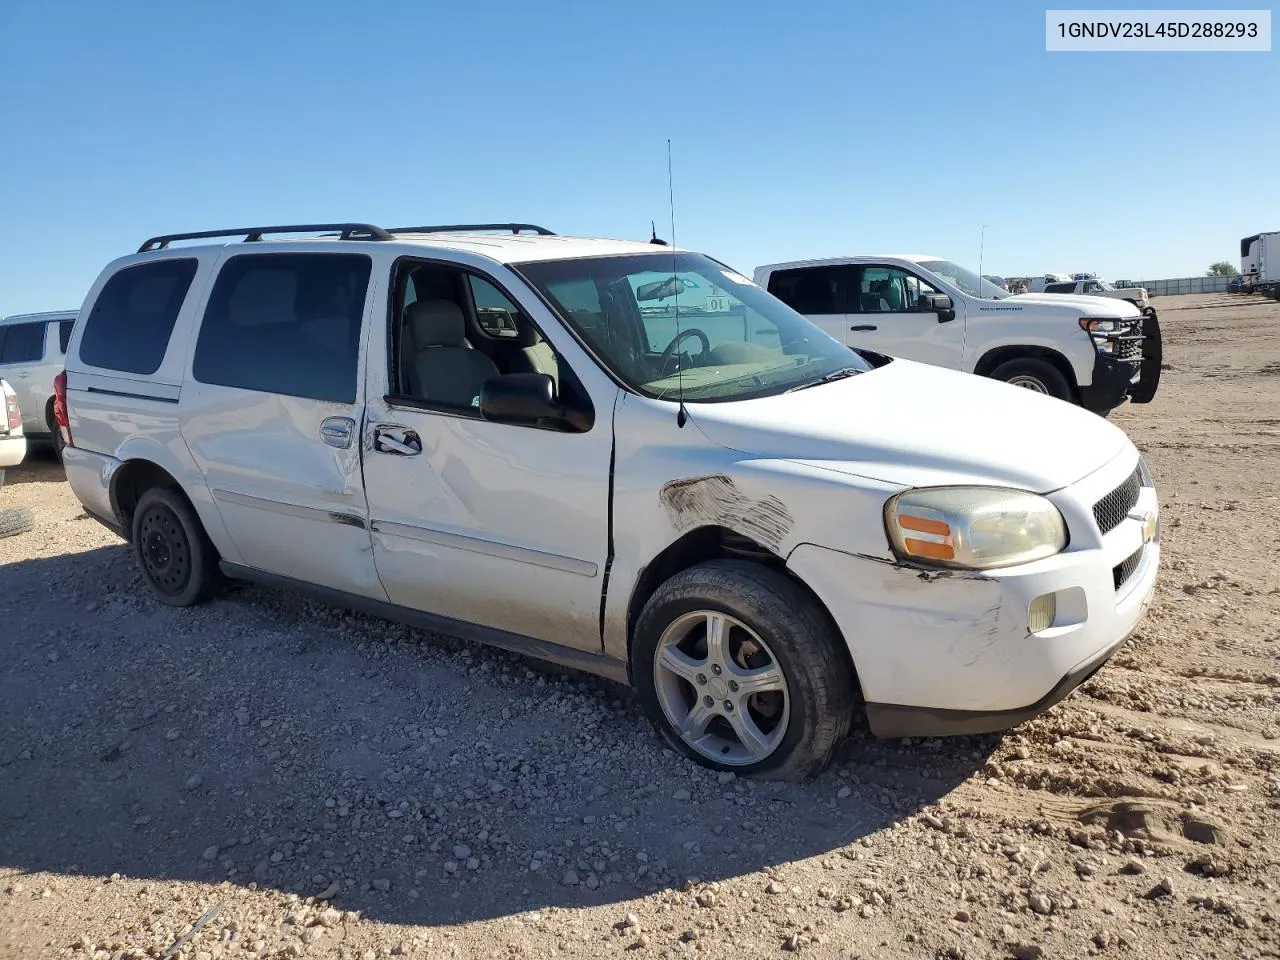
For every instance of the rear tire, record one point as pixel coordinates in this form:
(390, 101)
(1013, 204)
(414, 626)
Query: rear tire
(174, 554)
(1032, 373)
(771, 637)
(15, 521)
(54, 430)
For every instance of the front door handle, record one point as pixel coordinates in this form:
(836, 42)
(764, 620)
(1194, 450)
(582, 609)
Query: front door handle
(401, 441)
(864, 326)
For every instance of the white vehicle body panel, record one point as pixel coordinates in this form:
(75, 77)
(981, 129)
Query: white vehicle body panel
(32, 380)
(13, 442)
(546, 535)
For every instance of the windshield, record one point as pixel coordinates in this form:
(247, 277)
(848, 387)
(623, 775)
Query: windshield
(966, 280)
(734, 341)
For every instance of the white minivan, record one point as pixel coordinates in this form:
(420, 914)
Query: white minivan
(624, 458)
(1087, 350)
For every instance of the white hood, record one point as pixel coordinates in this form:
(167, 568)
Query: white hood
(1082, 305)
(912, 424)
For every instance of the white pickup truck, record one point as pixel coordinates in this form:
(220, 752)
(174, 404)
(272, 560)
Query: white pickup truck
(1095, 287)
(1088, 350)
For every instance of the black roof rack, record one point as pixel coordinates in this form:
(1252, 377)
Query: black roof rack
(345, 231)
(467, 227)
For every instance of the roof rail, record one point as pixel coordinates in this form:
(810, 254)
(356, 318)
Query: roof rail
(346, 231)
(467, 227)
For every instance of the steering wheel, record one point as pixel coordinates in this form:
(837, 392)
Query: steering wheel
(679, 338)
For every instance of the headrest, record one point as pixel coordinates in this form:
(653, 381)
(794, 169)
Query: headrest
(436, 323)
(529, 335)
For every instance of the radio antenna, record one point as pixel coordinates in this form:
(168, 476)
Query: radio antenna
(682, 415)
(982, 244)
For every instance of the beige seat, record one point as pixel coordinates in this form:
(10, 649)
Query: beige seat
(443, 368)
(535, 355)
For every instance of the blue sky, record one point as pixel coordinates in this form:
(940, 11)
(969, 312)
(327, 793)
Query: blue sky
(799, 129)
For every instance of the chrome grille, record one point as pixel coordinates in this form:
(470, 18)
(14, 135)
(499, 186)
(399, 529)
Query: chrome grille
(1125, 569)
(1110, 511)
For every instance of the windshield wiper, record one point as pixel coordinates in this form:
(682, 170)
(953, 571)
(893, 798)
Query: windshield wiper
(828, 378)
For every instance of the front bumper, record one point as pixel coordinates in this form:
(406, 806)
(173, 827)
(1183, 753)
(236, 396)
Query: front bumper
(13, 450)
(939, 654)
(1132, 372)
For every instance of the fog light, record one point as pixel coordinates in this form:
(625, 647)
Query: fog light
(1041, 613)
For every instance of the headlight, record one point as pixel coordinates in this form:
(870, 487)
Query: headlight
(1101, 328)
(973, 528)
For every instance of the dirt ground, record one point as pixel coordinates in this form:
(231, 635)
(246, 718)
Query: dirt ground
(330, 785)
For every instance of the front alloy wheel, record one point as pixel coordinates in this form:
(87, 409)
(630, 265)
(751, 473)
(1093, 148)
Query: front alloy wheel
(741, 670)
(721, 687)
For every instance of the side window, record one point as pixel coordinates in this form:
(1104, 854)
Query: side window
(286, 323)
(889, 290)
(129, 327)
(1060, 288)
(23, 343)
(1092, 286)
(64, 334)
(813, 291)
(495, 314)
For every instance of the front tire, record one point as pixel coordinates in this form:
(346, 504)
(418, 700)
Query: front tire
(173, 552)
(1034, 374)
(739, 670)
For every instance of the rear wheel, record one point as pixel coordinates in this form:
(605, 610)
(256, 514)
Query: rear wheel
(173, 552)
(740, 671)
(1032, 373)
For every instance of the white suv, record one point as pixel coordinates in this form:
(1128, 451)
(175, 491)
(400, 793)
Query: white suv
(624, 458)
(32, 349)
(1088, 350)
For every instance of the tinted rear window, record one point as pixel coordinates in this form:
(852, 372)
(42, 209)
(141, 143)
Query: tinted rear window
(21, 343)
(64, 333)
(812, 290)
(131, 322)
(286, 323)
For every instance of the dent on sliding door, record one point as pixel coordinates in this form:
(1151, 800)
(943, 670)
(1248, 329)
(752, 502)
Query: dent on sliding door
(273, 409)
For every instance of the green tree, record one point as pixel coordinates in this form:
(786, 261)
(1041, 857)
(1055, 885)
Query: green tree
(1221, 269)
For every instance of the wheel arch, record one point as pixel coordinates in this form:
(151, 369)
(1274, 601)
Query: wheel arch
(712, 542)
(994, 357)
(131, 480)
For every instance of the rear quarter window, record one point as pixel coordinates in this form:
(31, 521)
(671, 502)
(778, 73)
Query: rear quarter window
(129, 327)
(22, 343)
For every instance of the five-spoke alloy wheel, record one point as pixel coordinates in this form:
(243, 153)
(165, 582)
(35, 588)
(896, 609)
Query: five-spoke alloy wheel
(742, 670)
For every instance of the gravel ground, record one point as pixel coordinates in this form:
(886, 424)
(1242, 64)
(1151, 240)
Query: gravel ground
(320, 784)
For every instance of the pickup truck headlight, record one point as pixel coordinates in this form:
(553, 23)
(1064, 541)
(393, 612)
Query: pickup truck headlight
(973, 528)
(1101, 327)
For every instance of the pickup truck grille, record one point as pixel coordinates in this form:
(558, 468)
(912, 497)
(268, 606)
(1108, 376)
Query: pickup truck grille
(1110, 511)
(1129, 349)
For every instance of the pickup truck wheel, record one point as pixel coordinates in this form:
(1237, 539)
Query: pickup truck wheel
(173, 552)
(739, 671)
(1031, 373)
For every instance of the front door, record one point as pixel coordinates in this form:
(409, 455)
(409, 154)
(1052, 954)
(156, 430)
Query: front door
(495, 524)
(885, 315)
(271, 412)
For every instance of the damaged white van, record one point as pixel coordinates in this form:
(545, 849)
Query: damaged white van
(624, 458)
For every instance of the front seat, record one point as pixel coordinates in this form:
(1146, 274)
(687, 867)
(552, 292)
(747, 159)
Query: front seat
(535, 354)
(446, 369)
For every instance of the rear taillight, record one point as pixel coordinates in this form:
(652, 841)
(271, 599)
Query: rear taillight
(12, 411)
(60, 407)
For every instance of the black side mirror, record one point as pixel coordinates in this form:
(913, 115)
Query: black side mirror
(528, 399)
(940, 304)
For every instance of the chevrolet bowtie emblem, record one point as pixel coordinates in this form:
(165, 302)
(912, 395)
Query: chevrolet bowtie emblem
(1150, 526)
